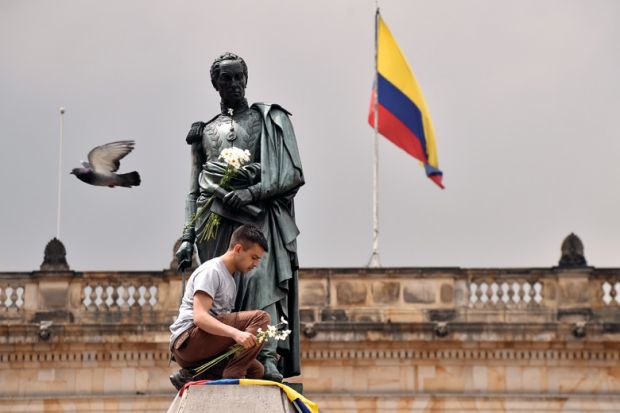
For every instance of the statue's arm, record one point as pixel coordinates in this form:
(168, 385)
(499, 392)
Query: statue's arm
(185, 252)
(189, 233)
(241, 197)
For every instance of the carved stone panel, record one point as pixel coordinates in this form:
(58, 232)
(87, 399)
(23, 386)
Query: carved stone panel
(313, 293)
(351, 293)
(385, 292)
(418, 292)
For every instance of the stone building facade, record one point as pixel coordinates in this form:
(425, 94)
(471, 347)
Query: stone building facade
(373, 340)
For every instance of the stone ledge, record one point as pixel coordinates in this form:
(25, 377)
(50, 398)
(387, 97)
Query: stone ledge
(78, 358)
(363, 331)
(232, 399)
(85, 333)
(546, 357)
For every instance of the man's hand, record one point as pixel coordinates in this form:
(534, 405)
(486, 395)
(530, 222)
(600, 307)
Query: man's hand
(238, 198)
(210, 324)
(184, 255)
(247, 340)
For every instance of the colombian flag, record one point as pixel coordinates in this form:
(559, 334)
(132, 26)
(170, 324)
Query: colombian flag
(403, 115)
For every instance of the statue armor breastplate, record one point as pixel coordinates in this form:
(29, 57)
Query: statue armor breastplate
(245, 134)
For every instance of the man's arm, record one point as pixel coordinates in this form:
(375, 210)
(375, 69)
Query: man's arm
(210, 324)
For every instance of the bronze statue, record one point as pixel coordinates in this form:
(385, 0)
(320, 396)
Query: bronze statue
(261, 193)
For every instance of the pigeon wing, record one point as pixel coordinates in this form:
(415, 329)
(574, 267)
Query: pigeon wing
(106, 158)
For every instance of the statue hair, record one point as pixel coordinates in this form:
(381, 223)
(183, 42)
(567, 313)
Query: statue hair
(215, 66)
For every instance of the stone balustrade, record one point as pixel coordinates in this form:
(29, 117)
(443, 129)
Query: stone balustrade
(409, 295)
(115, 298)
(354, 295)
(11, 296)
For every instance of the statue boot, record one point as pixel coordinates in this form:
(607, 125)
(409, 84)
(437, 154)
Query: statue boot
(268, 357)
(271, 370)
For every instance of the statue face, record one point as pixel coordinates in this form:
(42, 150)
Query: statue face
(231, 82)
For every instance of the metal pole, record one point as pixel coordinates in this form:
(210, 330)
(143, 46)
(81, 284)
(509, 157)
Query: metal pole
(374, 258)
(59, 195)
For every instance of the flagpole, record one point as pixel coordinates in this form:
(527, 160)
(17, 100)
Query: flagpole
(62, 115)
(374, 258)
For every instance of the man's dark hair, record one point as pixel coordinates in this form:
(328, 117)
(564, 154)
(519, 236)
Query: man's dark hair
(215, 67)
(247, 235)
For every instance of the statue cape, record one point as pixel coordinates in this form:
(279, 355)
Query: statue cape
(281, 177)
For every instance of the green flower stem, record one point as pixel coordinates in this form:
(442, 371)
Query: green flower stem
(204, 367)
(213, 221)
(198, 213)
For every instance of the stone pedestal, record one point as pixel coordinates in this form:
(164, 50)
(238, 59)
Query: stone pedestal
(232, 399)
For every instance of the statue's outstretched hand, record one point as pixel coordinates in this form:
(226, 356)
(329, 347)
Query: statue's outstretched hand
(238, 198)
(184, 255)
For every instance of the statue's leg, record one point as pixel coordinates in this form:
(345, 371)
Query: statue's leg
(268, 355)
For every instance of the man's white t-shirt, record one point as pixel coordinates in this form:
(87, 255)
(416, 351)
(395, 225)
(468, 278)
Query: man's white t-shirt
(213, 278)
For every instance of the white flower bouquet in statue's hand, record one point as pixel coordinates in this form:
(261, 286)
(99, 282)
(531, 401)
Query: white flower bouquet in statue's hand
(277, 332)
(234, 158)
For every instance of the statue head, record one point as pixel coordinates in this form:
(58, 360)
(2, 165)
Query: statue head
(229, 76)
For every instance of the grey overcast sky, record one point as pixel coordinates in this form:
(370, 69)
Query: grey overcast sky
(524, 96)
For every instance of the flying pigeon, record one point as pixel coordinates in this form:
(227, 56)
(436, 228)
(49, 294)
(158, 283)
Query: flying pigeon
(103, 161)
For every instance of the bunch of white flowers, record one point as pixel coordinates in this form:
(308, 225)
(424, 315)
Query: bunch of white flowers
(235, 157)
(278, 332)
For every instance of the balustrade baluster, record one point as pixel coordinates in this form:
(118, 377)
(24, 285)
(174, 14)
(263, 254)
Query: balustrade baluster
(20, 297)
(607, 297)
(99, 301)
(93, 297)
(484, 289)
(85, 296)
(505, 293)
(137, 296)
(538, 294)
(9, 300)
(154, 295)
(146, 297)
(526, 295)
(14, 298)
(494, 290)
(515, 293)
(124, 297)
(473, 294)
(115, 304)
(107, 293)
(131, 301)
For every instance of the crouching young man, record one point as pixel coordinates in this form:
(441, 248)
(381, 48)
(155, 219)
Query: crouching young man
(206, 326)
